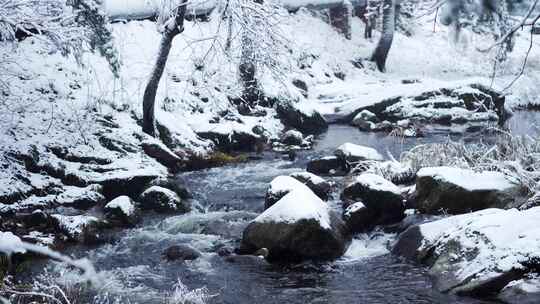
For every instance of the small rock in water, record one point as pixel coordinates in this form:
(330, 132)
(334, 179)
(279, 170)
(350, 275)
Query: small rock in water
(122, 211)
(358, 218)
(292, 137)
(181, 252)
(225, 251)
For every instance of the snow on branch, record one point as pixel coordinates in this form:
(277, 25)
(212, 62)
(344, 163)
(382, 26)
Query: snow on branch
(70, 27)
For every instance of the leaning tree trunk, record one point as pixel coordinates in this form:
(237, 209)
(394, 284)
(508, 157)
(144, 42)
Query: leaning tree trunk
(340, 18)
(247, 70)
(387, 35)
(149, 98)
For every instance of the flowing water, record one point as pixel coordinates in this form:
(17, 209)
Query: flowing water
(132, 269)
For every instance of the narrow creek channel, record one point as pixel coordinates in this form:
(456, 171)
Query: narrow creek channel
(227, 198)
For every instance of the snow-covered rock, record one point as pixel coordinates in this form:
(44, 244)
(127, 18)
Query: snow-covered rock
(459, 104)
(82, 198)
(122, 211)
(302, 117)
(358, 217)
(230, 139)
(455, 191)
(79, 228)
(163, 200)
(379, 195)
(328, 165)
(299, 226)
(279, 187)
(353, 153)
(365, 120)
(129, 182)
(477, 253)
(317, 184)
(292, 137)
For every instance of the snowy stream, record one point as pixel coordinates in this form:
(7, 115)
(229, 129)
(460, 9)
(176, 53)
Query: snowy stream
(132, 269)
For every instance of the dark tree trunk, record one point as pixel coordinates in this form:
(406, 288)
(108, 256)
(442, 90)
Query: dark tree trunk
(251, 93)
(149, 98)
(340, 18)
(387, 36)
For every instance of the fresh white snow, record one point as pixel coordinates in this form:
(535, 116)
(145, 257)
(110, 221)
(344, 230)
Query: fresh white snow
(284, 184)
(10, 243)
(353, 151)
(468, 179)
(502, 239)
(376, 182)
(124, 203)
(299, 204)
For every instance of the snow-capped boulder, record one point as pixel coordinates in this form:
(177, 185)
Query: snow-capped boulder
(354, 153)
(299, 226)
(279, 187)
(82, 198)
(163, 200)
(476, 253)
(317, 184)
(365, 120)
(181, 252)
(455, 191)
(122, 211)
(176, 184)
(379, 195)
(302, 117)
(358, 217)
(79, 228)
(328, 165)
(292, 138)
(131, 183)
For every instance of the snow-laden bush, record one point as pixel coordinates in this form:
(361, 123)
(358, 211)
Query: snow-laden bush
(518, 157)
(71, 27)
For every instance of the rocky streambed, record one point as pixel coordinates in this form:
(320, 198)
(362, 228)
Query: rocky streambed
(200, 249)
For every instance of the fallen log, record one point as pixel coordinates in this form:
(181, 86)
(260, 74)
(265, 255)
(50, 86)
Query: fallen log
(126, 10)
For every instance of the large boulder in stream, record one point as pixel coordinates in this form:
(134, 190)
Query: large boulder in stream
(317, 184)
(379, 195)
(279, 187)
(479, 253)
(456, 191)
(302, 117)
(162, 199)
(350, 153)
(299, 226)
